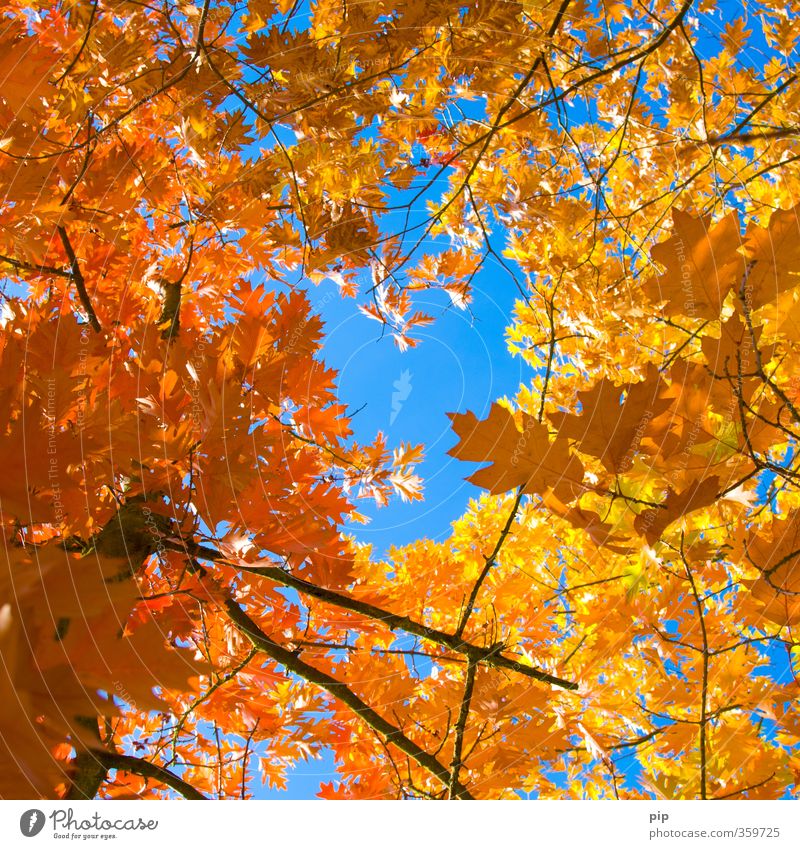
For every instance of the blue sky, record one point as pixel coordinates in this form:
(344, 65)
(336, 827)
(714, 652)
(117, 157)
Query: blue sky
(461, 363)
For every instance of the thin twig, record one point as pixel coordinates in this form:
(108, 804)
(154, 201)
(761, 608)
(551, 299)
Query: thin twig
(704, 686)
(487, 566)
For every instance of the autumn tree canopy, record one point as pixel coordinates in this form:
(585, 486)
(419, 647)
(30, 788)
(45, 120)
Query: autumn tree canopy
(181, 609)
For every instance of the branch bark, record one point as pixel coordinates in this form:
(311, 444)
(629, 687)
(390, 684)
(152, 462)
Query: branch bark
(19, 265)
(704, 686)
(290, 661)
(138, 766)
(90, 773)
(461, 725)
(92, 767)
(77, 279)
(477, 654)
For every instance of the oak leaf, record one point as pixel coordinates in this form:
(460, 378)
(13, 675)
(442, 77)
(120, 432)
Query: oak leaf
(526, 458)
(773, 253)
(615, 421)
(651, 523)
(702, 265)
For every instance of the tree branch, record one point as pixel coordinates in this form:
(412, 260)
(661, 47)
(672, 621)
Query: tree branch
(489, 656)
(374, 720)
(490, 561)
(146, 769)
(77, 279)
(19, 265)
(88, 778)
(461, 725)
(704, 686)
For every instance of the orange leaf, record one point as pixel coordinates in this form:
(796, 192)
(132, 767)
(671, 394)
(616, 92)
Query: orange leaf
(611, 427)
(702, 265)
(653, 522)
(526, 458)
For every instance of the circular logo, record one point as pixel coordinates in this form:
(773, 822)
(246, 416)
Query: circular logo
(31, 822)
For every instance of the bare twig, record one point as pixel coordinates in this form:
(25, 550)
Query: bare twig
(490, 561)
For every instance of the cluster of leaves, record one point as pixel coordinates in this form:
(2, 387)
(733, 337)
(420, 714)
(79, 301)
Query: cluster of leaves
(178, 467)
